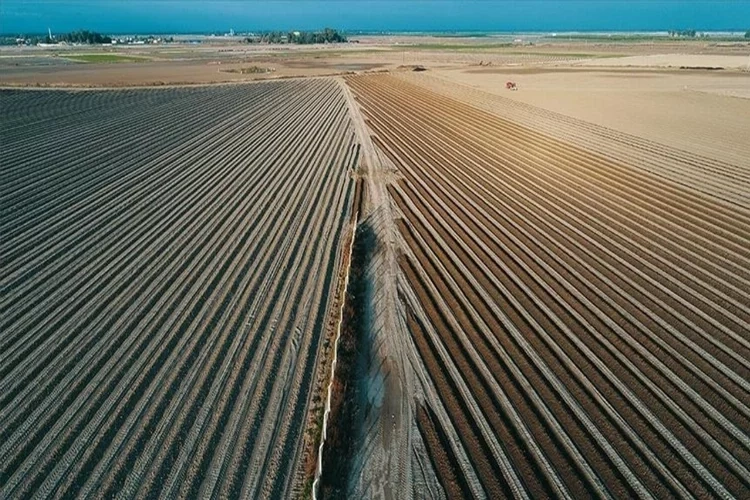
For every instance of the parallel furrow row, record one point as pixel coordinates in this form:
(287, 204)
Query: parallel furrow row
(547, 277)
(163, 319)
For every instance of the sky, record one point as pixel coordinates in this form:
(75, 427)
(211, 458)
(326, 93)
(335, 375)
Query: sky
(195, 16)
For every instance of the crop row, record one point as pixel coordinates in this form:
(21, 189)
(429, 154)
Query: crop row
(718, 178)
(583, 321)
(170, 256)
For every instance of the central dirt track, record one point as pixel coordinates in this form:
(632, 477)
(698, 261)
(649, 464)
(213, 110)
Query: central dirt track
(583, 321)
(169, 262)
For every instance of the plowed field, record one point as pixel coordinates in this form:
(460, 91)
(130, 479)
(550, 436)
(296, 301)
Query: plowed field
(169, 263)
(584, 321)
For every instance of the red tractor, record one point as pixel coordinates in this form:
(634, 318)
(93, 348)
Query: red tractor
(511, 86)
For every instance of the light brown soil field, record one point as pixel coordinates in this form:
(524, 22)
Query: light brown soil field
(160, 73)
(699, 112)
(213, 59)
(675, 61)
(726, 179)
(180, 64)
(580, 323)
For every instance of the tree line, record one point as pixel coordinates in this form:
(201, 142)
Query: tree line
(328, 35)
(682, 33)
(81, 36)
(694, 33)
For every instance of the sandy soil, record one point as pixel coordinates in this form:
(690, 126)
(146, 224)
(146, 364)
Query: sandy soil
(698, 111)
(675, 61)
(172, 72)
(182, 64)
(382, 465)
(220, 60)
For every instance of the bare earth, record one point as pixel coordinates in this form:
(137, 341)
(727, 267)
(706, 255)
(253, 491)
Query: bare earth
(681, 130)
(580, 313)
(676, 61)
(700, 111)
(559, 289)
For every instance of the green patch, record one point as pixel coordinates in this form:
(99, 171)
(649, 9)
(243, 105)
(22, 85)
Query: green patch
(568, 55)
(484, 47)
(103, 58)
(454, 46)
(307, 491)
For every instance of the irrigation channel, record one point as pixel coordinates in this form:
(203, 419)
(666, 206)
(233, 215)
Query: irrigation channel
(330, 387)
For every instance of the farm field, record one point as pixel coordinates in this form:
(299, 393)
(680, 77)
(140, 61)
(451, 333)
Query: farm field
(102, 58)
(705, 113)
(170, 259)
(697, 137)
(548, 288)
(575, 303)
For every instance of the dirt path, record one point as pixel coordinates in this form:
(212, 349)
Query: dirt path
(383, 466)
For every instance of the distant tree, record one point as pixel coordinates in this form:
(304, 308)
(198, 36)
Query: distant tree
(682, 33)
(80, 36)
(272, 37)
(328, 35)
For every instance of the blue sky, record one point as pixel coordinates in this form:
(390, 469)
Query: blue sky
(127, 16)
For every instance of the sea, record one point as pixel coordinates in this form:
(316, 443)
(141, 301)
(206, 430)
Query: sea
(221, 16)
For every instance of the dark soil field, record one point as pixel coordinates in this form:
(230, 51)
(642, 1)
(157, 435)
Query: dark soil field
(584, 322)
(169, 259)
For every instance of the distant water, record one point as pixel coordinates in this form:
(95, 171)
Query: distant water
(201, 16)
